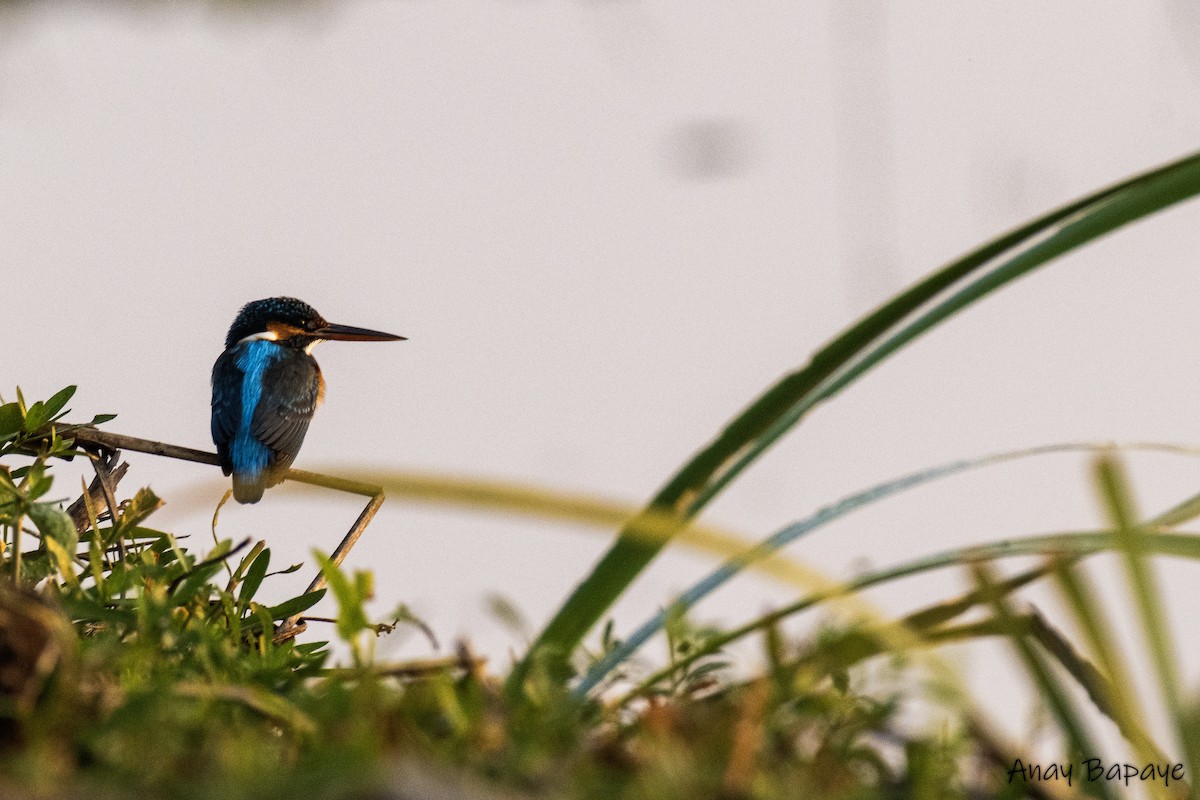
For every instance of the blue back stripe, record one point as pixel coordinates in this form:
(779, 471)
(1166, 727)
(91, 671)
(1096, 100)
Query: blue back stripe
(250, 456)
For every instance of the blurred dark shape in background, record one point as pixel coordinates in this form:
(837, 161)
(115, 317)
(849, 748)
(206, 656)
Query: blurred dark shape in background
(708, 149)
(867, 225)
(1018, 185)
(1183, 17)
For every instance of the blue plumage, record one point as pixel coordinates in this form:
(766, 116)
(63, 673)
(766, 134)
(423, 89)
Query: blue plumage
(266, 387)
(247, 454)
(264, 395)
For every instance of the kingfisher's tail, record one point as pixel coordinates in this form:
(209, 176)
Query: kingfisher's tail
(248, 487)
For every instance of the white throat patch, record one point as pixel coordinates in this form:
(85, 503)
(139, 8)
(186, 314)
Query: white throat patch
(265, 336)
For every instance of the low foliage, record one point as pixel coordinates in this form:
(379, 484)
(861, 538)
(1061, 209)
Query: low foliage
(131, 667)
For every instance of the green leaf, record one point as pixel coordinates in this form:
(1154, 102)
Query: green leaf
(259, 620)
(196, 582)
(297, 605)
(58, 536)
(63, 560)
(135, 533)
(254, 577)
(82, 608)
(352, 617)
(35, 417)
(186, 585)
(56, 403)
(11, 421)
(39, 481)
(38, 565)
(507, 614)
(54, 524)
(144, 503)
(245, 563)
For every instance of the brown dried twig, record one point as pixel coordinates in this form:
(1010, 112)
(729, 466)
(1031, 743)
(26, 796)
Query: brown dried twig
(77, 511)
(101, 462)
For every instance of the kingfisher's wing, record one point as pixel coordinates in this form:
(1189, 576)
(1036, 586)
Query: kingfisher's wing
(226, 406)
(290, 394)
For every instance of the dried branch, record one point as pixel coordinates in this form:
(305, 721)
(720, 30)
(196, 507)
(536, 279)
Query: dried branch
(102, 462)
(118, 441)
(77, 511)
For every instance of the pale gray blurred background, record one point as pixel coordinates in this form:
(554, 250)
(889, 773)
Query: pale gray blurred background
(605, 226)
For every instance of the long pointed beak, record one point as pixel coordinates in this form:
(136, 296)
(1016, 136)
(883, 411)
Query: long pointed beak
(348, 333)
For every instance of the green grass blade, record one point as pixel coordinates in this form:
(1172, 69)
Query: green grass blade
(1186, 511)
(1119, 504)
(926, 627)
(770, 545)
(1049, 687)
(789, 534)
(858, 645)
(1111, 690)
(841, 362)
(1071, 544)
(1100, 690)
(1101, 218)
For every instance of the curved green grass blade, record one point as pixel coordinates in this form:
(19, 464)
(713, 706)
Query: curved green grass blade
(844, 360)
(789, 534)
(1071, 544)
(930, 626)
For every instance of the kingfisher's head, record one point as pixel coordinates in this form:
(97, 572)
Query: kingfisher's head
(294, 323)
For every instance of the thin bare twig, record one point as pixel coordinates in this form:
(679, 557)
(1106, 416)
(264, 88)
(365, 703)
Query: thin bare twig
(89, 435)
(117, 441)
(351, 537)
(101, 462)
(293, 626)
(290, 629)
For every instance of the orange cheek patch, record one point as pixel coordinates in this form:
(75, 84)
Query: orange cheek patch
(285, 331)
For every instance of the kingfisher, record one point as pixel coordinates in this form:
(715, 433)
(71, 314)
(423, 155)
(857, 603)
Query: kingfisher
(266, 386)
